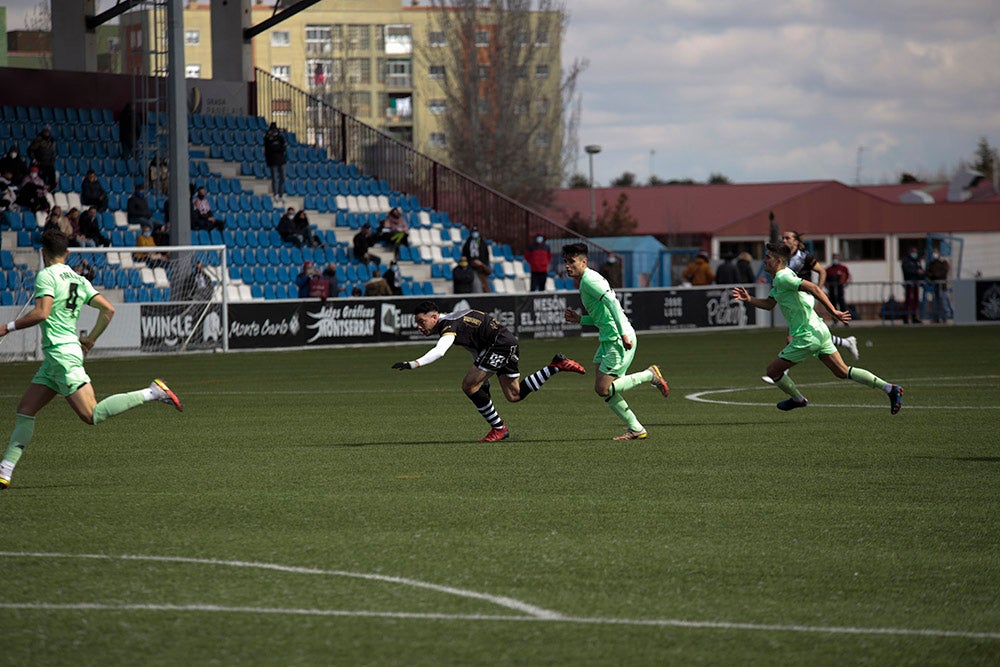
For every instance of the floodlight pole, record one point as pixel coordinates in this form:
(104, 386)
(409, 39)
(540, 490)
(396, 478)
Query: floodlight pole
(592, 150)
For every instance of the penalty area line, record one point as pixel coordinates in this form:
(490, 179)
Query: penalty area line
(580, 620)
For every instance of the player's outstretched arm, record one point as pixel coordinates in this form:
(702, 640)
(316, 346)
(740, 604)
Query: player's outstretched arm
(741, 294)
(435, 353)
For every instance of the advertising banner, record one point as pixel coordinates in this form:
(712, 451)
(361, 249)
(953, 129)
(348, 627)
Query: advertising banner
(167, 328)
(532, 315)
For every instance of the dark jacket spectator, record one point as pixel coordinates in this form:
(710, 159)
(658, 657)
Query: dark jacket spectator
(478, 252)
(304, 278)
(92, 192)
(43, 151)
(727, 273)
(137, 208)
(14, 162)
(363, 241)
(275, 146)
(90, 228)
(286, 227)
(31, 192)
(463, 277)
(8, 192)
(330, 275)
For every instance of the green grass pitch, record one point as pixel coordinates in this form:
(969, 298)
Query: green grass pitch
(316, 507)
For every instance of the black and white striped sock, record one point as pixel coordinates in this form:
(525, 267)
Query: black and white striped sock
(535, 381)
(490, 414)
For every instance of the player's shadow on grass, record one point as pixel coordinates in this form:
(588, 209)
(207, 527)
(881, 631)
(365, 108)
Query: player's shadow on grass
(972, 459)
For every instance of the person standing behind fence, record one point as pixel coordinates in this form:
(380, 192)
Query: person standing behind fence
(744, 268)
(937, 272)
(913, 275)
(539, 257)
(275, 154)
(699, 272)
(837, 277)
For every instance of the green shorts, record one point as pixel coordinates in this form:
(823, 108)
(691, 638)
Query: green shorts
(62, 370)
(808, 345)
(613, 359)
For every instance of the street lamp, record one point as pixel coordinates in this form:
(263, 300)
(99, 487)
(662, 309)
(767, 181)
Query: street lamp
(592, 150)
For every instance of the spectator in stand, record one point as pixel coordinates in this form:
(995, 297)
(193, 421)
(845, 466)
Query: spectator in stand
(43, 152)
(837, 277)
(202, 216)
(913, 276)
(937, 272)
(478, 252)
(301, 226)
(330, 276)
(8, 191)
(15, 164)
(58, 222)
(377, 286)
(76, 239)
(539, 258)
(463, 277)
(32, 190)
(394, 230)
(727, 273)
(363, 241)
(392, 278)
(699, 272)
(137, 207)
(304, 278)
(92, 192)
(145, 240)
(286, 228)
(275, 154)
(744, 268)
(86, 269)
(90, 230)
(612, 271)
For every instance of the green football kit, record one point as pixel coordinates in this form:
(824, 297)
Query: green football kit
(62, 367)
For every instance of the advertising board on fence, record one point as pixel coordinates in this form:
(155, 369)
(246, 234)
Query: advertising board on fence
(172, 327)
(533, 315)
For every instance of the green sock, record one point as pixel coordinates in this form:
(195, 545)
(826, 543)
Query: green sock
(24, 428)
(785, 384)
(618, 405)
(117, 404)
(629, 381)
(868, 379)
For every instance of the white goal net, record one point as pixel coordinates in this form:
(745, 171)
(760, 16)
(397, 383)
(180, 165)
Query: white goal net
(166, 298)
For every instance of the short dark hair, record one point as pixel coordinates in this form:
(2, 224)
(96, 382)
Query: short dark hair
(780, 249)
(425, 307)
(575, 250)
(55, 243)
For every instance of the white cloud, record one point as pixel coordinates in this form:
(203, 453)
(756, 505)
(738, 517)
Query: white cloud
(778, 91)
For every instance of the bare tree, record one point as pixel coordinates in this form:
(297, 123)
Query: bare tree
(40, 20)
(510, 121)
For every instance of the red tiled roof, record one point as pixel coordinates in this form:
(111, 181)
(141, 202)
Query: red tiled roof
(811, 207)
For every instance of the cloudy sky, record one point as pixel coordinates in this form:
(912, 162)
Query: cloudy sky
(778, 90)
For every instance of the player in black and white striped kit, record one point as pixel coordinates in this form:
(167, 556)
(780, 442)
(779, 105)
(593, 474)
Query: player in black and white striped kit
(494, 352)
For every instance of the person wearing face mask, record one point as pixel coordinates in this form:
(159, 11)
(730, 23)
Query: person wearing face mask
(202, 216)
(913, 275)
(478, 252)
(15, 164)
(539, 257)
(837, 277)
(146, 240)
(937, 272)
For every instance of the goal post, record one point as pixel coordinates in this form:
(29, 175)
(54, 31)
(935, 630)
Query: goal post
(167, 299)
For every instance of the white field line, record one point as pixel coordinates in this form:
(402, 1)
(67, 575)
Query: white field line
(934, 382)
(500, 601)
(534, 614)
